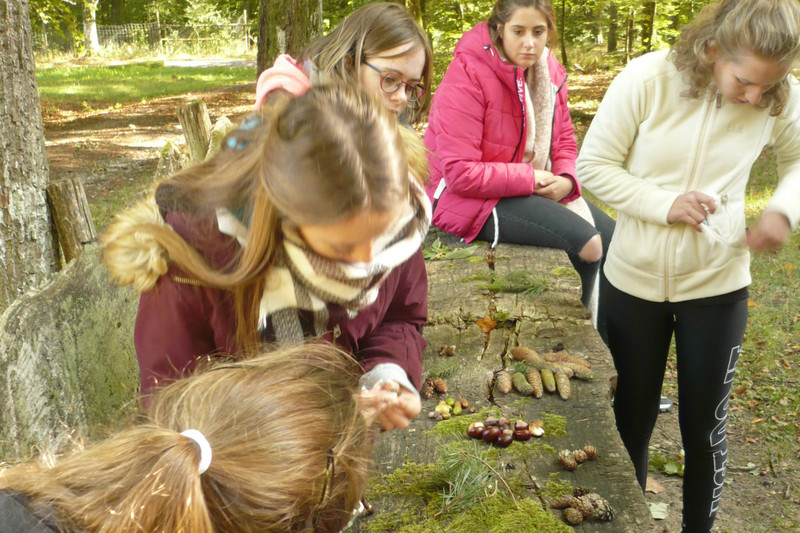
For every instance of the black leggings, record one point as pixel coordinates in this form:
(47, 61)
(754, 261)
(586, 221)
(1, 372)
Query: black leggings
(708, 337)
(537, 221)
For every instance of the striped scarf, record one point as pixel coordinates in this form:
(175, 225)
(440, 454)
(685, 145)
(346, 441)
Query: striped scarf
(302, 280)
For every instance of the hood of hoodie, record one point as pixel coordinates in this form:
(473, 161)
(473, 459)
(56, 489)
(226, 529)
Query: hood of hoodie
(476, 45)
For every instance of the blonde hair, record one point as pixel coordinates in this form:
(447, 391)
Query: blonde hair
(768, 29)
(290, 453)
(503, 10)
(312, 160)
(366, 32)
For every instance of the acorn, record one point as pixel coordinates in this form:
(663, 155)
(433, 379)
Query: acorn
(464, 403)
(450, 401)
(475, 430)
(491, 433)
(456, 410)
(505, 439)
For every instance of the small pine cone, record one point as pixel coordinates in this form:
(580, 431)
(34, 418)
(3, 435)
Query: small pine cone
(521, 384)
(580, 372)
(591, 452)
(503, 382)
(448, 350)
(440, 385)
(562, 384)
(548, 380)
(580, 491)
(573, 516)
(566, 460)
(579, 455)
(535, 379)
(427, 389)
(583, 505)
(562, 502)
(599, 508)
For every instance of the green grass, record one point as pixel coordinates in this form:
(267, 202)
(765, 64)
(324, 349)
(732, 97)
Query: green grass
(98, 86)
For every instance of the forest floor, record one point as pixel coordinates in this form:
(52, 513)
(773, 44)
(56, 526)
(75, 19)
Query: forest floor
(115, 152)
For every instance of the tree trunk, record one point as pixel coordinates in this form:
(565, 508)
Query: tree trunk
(648, 22)
(415, 8)
(562, 34)
(91, 42)
(612, 28)
(284, 27)
(72, 216)
(629, 36)
(28, 246)
(196, 126)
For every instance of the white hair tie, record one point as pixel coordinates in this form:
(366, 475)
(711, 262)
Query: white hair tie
(205, 448)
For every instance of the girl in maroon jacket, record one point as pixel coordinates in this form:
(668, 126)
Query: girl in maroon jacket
(503, 148)
(307, 224)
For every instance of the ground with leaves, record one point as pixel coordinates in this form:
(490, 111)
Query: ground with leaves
(115, 152)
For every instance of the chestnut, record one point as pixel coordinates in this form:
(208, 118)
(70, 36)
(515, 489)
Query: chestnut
(491, 421)
(522, 434)
(491, 433)
(520, 424)
(504, 423)
(505, 439)
(475, 430)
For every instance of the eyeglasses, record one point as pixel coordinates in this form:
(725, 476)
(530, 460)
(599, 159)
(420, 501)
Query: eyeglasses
(391, 82)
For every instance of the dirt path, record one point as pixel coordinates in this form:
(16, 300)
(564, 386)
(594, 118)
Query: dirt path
(118, 149)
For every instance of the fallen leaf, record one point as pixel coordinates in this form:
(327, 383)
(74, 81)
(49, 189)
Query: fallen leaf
(751, 303)
(486, 324)
(653, 486)
(756, 420)
(784, 401)
(740, 390)
(659, 510)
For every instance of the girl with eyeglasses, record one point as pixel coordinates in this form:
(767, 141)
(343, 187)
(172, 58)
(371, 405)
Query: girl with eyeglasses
(502, 145)
(276, 443)
(379, 47)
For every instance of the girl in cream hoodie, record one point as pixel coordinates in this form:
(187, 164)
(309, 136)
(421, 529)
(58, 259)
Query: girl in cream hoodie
(671, 149)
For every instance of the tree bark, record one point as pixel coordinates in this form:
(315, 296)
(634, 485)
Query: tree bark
(196, 126)
(28, 246)
(648, 22)
(612, 28)
(415, 8)
(72, 216)
(284, 27)
(562, 34)
(91, 42)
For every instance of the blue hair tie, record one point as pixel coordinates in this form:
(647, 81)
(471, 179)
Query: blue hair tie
(250, 122)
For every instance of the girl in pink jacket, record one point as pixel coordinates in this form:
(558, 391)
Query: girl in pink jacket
(503, 147)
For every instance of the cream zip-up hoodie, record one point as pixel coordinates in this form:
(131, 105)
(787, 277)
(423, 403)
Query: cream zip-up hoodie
(647, 145)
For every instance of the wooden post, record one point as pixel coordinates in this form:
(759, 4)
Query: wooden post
(72, 216)
(196, 126)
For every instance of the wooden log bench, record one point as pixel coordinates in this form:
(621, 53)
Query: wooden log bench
(552, 320)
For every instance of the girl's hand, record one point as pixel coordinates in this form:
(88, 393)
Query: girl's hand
(550, 186)
(391, 405)
(691, 208)
(771, 231)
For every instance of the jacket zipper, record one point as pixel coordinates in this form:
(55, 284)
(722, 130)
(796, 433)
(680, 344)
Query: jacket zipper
(692, 178)
(524, 119)
(198, 283)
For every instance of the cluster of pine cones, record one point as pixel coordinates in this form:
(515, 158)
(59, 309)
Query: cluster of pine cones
(583, 505)
(571, 459)
(549, 372)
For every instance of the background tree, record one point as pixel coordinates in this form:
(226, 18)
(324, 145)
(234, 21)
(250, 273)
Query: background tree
(285, 27)
(28, 247)
(91, 43)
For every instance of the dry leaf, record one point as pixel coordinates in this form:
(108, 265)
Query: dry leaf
(751, 303)
(486, 324)
(740, 390)
(653, 486)
(756, 420)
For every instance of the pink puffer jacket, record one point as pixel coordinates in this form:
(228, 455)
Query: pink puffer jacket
(476, 135)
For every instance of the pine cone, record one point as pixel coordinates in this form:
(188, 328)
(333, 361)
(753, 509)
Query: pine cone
(573, 516)
(427, 389)
(440, 385)
(562, 502)
(591, 452)
(580, 491)
(579, 455)
(567, 460)
(503, 382)
(583, 505)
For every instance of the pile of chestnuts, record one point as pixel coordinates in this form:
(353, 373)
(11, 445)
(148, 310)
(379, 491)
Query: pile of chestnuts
(500, 431)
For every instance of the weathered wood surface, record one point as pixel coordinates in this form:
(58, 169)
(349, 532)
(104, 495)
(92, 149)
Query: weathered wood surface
(72, 216)
(539, 322)
(196, 125)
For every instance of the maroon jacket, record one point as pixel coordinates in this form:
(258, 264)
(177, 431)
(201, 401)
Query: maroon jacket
(476, 135)
(178, 321)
